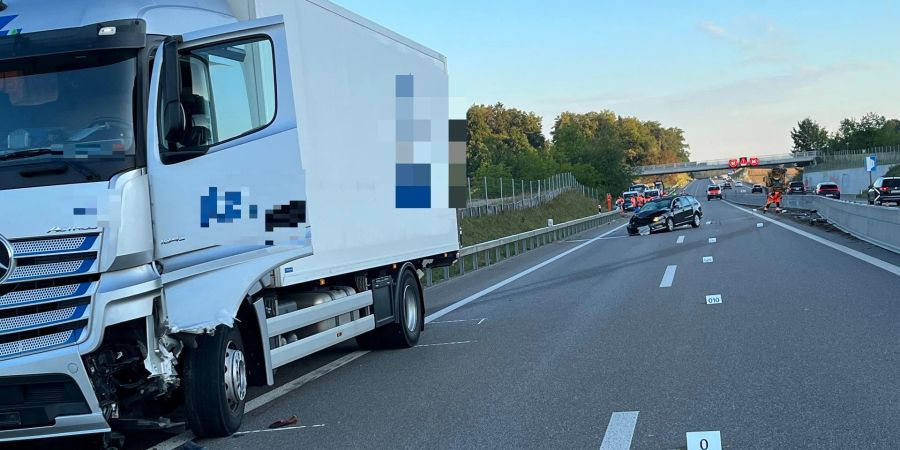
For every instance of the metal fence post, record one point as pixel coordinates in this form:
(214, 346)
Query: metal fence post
(428, 276)
(469, 184)
(485, 191)
(462, 265)
(501, 190)
(446, 272)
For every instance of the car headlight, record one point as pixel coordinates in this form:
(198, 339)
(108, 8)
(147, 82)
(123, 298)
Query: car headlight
(657, 218)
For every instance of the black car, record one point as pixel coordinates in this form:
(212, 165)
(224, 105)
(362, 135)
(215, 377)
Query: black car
(727, 185)
(666, 213)
(757, 188)
(884, 190)
(796, 187)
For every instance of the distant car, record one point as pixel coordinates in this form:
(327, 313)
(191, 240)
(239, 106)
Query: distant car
(757, 188)
(739, 184)
(638, 188)
(796, 187)
(666, 213)
(884, 190)
(630, 200)
(727, 185)
(651, 193)
(713, 191)
(828, 189)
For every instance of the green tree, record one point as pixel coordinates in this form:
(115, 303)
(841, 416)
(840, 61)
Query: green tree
(809, 136)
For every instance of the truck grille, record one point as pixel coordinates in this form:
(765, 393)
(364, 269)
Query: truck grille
(46, 301)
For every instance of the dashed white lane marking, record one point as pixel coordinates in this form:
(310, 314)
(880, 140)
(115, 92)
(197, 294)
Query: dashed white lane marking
(712, 240)
(461, 320)
(680, 240)
(707, 259)
(444, 343)
(267, 430)
(443, 312)
(179, 440)
(620, 431)
(884, 265)
(668, 276)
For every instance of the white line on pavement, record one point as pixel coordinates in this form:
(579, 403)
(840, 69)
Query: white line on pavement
(668, 277)
(444, 343)
(266, 430)
(177, 441)
(480, 321)
(460, 320)
(488, 290)
(680, 240)
(841, 248)
(619, 431)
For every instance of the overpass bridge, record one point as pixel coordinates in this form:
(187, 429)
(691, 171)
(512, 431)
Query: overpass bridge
(789, 160)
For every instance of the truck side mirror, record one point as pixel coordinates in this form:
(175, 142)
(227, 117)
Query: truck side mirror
(174, 121)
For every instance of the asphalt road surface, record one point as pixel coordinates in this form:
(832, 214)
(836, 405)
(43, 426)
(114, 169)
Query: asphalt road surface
(614, 346)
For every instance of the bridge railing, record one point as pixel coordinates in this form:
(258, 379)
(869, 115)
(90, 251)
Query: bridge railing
(767, 159)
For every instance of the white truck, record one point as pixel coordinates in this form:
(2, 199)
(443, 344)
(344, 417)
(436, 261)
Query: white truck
(193, 194)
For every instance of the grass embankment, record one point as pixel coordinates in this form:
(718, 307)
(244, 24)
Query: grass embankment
(567, 206)
(894, 172)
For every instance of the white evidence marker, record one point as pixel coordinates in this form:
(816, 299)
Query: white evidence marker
(704, 440)
(708, 222)
(707, 259)
(712, 240)
(680, 240)
(759, 225)
(714, 299)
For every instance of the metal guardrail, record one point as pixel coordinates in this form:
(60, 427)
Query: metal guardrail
(879, 225)
(481, 255)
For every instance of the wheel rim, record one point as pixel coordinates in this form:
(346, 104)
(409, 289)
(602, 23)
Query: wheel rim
(411, 304)
(235, 376)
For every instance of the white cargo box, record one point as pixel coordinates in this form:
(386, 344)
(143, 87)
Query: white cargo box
(344, 70)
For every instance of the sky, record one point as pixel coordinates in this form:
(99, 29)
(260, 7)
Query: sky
(735, 76)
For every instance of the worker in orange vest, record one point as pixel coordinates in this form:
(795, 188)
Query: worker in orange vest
(620, 205)
(773, 198)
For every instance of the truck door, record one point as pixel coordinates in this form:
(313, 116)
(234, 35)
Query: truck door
(226, 177)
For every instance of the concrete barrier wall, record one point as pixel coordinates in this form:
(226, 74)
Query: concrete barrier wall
(879, 225)
(851, 181)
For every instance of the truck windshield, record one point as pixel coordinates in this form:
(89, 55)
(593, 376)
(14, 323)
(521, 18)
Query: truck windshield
(66, 118)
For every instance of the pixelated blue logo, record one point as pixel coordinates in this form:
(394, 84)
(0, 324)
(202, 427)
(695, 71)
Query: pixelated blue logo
(4, 21)
(221, 208)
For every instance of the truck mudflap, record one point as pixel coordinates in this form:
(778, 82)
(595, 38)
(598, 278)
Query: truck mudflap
(48, 403)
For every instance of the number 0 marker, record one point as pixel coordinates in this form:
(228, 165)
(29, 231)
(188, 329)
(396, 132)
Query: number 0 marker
(714, 299)
(704, 440)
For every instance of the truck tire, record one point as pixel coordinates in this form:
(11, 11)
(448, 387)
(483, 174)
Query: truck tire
(215, 383)
(406, 333)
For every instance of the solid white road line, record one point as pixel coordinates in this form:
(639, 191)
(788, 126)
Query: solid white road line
(884, 265)
(444, 343)
(619, 431)
(680, 240)
(461, 320)
(179, 440)
(488, 290)
(668, 277)
(267, 430)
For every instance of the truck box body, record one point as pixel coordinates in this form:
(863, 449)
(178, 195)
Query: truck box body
(347, 125)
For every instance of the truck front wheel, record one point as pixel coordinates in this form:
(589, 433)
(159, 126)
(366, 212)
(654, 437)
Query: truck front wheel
(215, 383)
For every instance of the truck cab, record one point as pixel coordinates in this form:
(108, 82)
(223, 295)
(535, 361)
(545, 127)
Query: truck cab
(156, 240)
